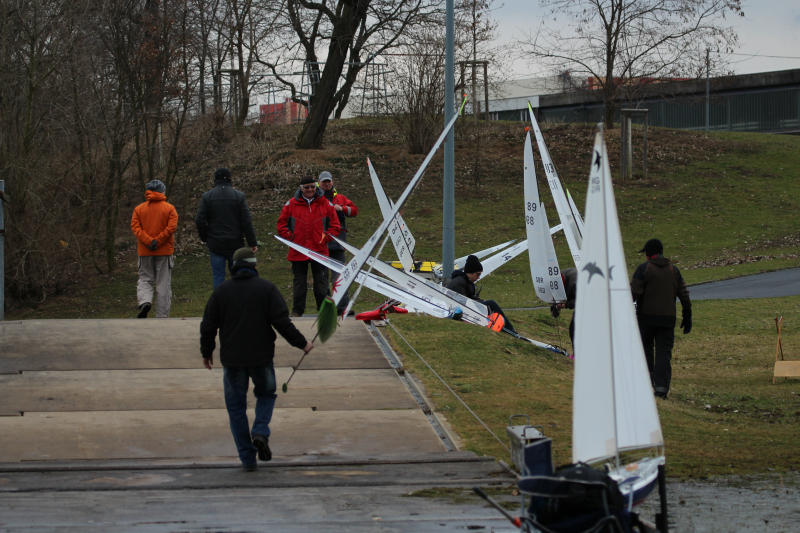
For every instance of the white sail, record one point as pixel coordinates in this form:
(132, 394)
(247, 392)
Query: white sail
(545, 272)
(412, 302)
(613, 404)
(347, 276)
(402, 239)
(473, 311)
(569, 215)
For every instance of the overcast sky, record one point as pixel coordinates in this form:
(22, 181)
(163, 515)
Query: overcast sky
(769, 33)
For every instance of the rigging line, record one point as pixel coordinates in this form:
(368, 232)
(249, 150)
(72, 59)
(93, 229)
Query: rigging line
(449, 388)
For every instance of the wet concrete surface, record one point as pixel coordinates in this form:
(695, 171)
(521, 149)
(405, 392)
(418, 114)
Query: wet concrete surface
(768, 504)
(114, 426)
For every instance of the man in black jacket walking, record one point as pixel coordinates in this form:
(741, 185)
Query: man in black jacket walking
(245, 309)
(222, 220)
(655, 285)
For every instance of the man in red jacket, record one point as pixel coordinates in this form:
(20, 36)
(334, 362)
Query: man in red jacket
(308, 219)
(345, 208)
(154, 223)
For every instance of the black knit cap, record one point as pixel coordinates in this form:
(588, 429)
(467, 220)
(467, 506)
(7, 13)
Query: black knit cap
(244, 257)
(222, 174)
(307, 179)
(472, 265)
(652, 247)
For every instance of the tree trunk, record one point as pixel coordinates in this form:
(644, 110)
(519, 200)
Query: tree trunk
(324, 100)
(609, 104)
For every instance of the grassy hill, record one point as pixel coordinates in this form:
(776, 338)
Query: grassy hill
(724, 205)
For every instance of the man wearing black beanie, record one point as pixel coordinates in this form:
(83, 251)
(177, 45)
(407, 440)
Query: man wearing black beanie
(247, 310)
(223, 222)
(463, 282)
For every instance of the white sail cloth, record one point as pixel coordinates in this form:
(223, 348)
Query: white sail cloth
(545, 272)
(614, 408)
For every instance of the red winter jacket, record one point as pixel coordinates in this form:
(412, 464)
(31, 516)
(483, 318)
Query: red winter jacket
(349, 209)
(308, 224)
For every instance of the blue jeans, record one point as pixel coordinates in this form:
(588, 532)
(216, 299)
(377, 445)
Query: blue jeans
(236, 382)
(218, 263)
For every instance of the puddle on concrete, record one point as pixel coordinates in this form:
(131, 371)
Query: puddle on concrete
(742, 504)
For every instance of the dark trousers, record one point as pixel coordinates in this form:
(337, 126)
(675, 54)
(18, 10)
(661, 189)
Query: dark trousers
(235, 383)
(658, 342)
(300, 284)
(339, 256)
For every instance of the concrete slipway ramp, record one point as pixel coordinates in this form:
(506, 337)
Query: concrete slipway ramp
(114, 425)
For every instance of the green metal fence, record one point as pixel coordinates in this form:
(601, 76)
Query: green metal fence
(764, 110)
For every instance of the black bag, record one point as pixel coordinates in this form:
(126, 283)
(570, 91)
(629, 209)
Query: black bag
(576, 498)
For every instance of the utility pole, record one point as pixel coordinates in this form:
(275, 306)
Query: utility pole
(708, 92)
(448, 186)
(2, 251)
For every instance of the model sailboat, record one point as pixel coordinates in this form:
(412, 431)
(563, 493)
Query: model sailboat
(571, 221)
(617, 445)
(545, 271)
(614, 409)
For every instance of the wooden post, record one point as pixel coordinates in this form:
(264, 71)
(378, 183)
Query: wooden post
(783, 368)
(486, 88)
(644, 148)
(626, 146)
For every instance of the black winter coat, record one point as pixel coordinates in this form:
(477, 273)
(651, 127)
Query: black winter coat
(245, 309)
(223, 218)
(459, 283)
(655, 285)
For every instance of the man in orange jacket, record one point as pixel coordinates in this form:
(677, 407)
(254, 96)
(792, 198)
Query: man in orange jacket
(154, 223)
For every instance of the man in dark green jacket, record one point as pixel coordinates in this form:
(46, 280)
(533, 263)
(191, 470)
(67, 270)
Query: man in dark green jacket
(245, 309)
(655, 285)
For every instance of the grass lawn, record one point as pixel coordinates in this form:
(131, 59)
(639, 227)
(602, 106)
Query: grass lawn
(724, 205)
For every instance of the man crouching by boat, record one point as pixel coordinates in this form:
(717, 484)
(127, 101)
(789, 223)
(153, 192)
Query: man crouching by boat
(463, 282)
(655, 285)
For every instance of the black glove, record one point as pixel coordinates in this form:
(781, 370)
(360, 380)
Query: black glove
(555, 310)
(686, 323)
(153, 244)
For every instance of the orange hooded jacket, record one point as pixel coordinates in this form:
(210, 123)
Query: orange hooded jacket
(155, 219)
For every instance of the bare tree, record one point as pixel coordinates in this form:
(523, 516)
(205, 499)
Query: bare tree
(419, 72)
(348, 34)
(36, 38)
(620, 42)
(474, 31)
(253, 24)
(419, 84)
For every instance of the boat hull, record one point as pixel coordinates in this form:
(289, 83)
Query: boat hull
(637, 480)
